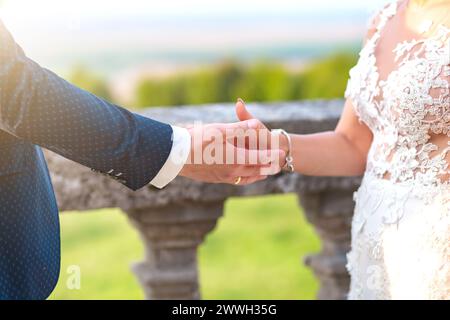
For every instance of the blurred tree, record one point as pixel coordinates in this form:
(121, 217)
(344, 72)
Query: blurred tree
(327, 78)
(201, 87)
(206, 85)
(161, 92)
(264, 81)
(83, 78)
(228, 74)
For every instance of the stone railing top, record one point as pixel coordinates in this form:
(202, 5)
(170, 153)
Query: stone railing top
(78, 188)
(291, 113)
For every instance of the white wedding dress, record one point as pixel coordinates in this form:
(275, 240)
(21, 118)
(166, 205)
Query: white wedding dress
(401, 224)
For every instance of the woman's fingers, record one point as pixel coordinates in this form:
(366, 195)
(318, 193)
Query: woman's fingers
(242, 112)
(265, 137)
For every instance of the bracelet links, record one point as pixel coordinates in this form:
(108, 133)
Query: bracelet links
(289, 166)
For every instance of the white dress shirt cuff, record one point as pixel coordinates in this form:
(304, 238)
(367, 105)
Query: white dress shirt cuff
(181, 147)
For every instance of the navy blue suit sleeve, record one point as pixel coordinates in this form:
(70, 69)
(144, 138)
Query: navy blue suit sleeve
(38, 106)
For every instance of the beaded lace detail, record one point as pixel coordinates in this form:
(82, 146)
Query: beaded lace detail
(401, 225)
(408, 109)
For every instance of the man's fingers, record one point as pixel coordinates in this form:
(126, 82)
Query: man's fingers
(242, 181)
(249, 124)
(247, 171)
(250, 180)
(250, 134)
(258, 157)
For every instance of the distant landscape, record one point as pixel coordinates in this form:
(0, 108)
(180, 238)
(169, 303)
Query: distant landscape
(122, 49)
(119, 55)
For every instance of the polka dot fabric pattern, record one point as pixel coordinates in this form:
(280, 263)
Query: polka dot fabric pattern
(39, 109)
(29, 228)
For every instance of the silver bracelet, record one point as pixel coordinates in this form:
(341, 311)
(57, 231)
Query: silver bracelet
(289, 166)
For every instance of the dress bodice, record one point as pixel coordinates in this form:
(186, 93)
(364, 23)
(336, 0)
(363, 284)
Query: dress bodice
(408, 112)
(400, 230)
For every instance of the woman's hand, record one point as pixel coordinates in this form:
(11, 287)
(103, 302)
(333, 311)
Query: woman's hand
(275, 141)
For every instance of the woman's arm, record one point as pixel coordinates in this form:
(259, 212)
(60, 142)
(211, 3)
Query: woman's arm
(341, 152)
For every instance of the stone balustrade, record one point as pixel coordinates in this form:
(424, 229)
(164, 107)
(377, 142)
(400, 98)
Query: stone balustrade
(174, 221)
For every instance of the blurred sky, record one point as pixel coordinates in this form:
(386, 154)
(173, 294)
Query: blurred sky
(127, 37)
(24, 9)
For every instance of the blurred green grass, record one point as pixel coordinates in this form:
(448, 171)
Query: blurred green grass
(254, 253)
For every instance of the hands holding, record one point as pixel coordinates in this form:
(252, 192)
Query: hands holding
(237, 153)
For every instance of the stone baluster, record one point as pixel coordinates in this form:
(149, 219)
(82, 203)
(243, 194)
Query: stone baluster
(330, 211)
(171, 236)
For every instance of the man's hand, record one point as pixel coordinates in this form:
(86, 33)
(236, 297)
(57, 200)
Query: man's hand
(231, 153)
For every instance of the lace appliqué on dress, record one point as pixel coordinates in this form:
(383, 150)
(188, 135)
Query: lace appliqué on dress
(401, 228)
(408, 107)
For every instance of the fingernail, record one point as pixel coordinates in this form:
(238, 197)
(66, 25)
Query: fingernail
(240, 100)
